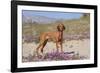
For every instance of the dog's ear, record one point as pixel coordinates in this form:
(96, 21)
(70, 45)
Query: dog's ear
(64, 27)
(58, 27)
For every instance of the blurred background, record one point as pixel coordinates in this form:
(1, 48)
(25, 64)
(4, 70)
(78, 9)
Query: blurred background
(36, 22)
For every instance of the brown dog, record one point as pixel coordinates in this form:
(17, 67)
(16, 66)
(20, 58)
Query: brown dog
(55, 36)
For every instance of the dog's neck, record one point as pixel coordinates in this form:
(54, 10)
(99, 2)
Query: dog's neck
(60, 34)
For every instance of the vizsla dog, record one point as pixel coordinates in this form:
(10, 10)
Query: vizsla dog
(55, 36)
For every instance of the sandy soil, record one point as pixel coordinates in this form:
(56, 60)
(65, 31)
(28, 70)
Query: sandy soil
(79, 46)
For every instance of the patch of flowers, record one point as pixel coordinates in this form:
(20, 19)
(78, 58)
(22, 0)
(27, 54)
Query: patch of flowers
(54, 56)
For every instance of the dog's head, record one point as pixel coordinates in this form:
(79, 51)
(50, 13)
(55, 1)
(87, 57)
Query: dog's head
(61, 27)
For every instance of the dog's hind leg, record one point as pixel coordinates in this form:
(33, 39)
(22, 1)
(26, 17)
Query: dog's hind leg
(41, 46)
(45, 42)
(37, 49)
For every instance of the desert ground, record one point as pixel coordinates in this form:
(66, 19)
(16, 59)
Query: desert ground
(82, 47)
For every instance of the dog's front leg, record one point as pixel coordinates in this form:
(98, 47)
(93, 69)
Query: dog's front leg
(57, 46)
(61, 46)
